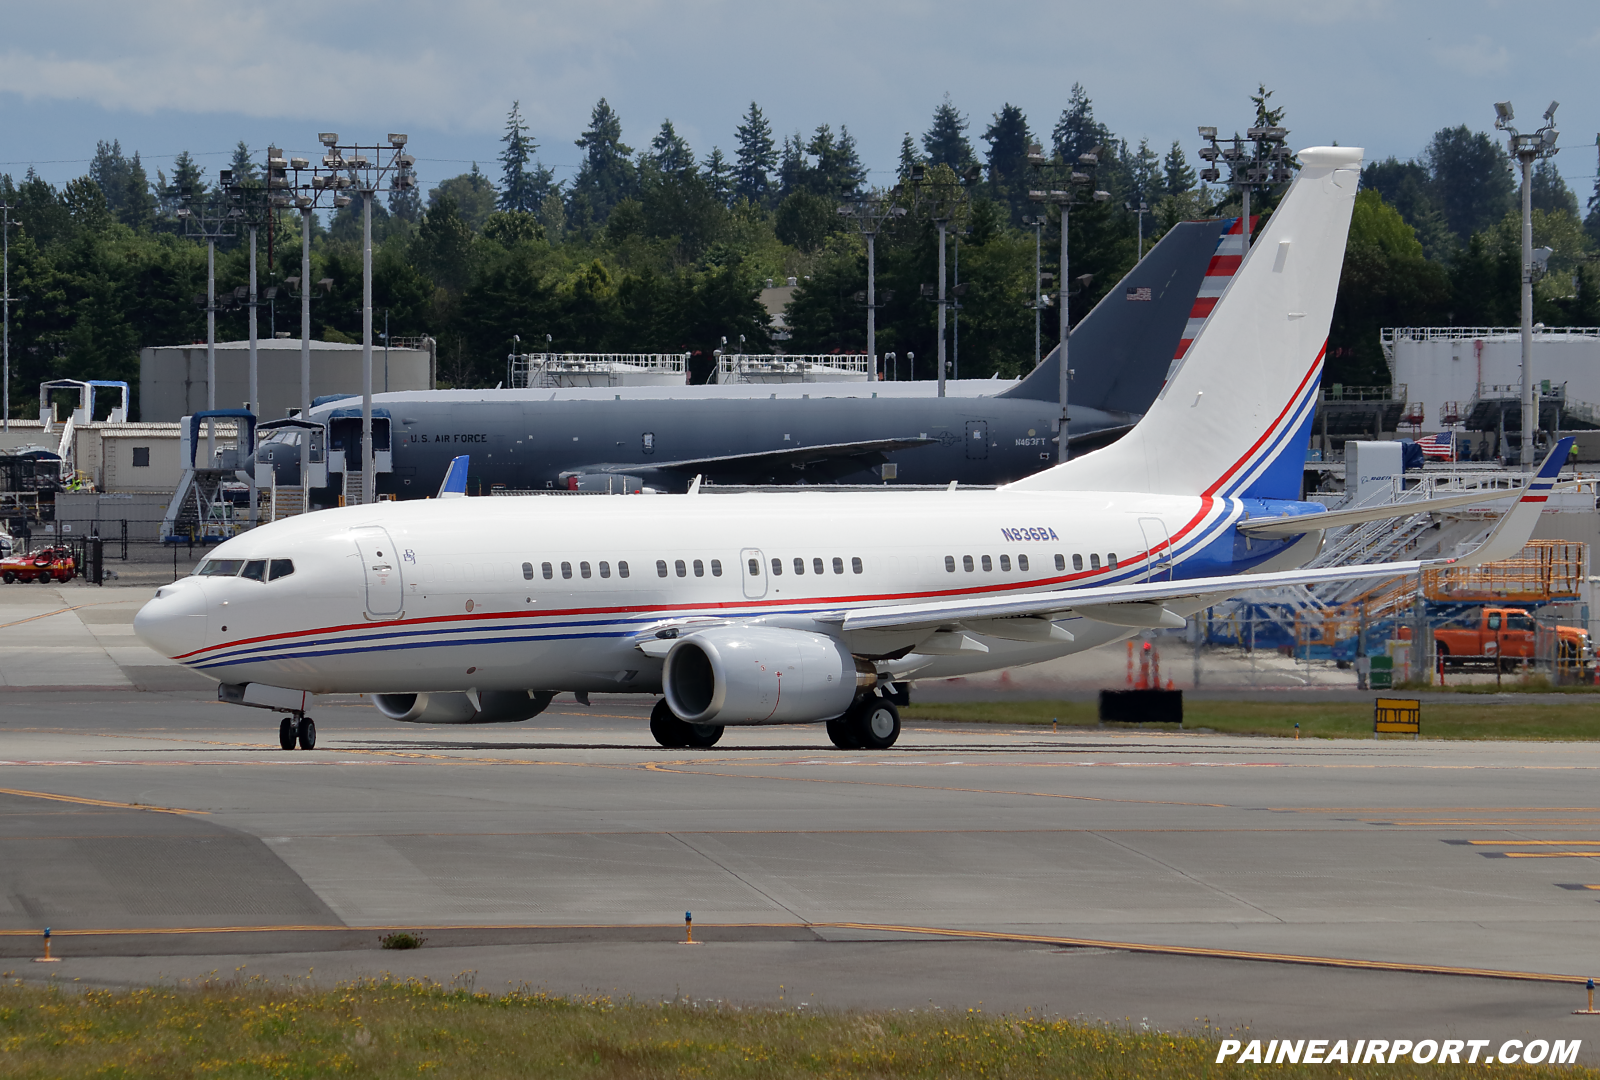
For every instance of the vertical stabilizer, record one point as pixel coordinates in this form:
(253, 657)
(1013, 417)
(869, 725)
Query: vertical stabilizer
(1234, 417)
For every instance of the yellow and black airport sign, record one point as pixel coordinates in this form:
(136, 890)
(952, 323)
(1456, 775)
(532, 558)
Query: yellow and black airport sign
(1396, 716)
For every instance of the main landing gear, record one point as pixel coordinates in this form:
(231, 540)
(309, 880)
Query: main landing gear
(677, 734)
(302, 730)
(873, 723)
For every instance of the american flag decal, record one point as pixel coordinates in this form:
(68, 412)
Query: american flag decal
(1139, 294)
(1230, 253)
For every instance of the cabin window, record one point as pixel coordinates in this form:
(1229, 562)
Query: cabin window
(699, 568)
(799, 566)
(987, 565)
(950, 564)
(1494, 622)
(677, 565)
(547, 570)
(716, 567)
(1061, 563)
(777, 567)
(661, 568)
(605, 569)
(838, 565)
(1022, 563)
(755, 568)
(141, 457)
(220, 567)
(1094, 561)
(255, 570)
(1077, 562)
(281, 568)
(855, 564)
(1005, 562)
(622, 569)
(1111, 560)
(527, 571)
(966, 563)
(583, 568)
(566, 570)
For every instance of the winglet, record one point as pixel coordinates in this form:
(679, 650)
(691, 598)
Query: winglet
(1511, 535)
(455, 479)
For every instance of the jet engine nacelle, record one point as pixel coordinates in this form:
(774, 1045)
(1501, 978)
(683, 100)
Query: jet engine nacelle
(474, 707)
(760, 675)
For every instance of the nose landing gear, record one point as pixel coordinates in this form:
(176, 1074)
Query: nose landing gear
(302, 730)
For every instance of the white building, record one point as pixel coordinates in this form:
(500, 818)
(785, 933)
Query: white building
(172, 378)
(1446, 368)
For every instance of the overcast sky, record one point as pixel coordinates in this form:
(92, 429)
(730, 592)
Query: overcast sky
(168, 75)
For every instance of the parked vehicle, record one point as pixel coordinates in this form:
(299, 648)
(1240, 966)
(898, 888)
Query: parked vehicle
(1506, 635)
(45, 565)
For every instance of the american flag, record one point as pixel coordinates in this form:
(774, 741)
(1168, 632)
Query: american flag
(1139, 294)
(1442, 445)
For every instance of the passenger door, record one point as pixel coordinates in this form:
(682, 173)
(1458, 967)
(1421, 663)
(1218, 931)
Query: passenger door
(380, 563)
(753, 571)
(1158, 548)
(977, 440)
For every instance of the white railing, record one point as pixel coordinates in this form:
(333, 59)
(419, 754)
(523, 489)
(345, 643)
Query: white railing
(771, 367)
(529, 370)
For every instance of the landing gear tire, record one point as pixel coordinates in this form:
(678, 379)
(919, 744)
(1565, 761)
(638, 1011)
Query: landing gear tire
(306, 730)
(286, 733)
(10, 577)
(842, 733)
(677, 734)
(877, 723)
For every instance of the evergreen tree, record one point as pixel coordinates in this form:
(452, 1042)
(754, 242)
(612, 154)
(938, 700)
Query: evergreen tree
(1470, 180)
(406, 205)
(1550, 191)
(607, 174)
(670, 153)
(136, 205)
(792, 165)
(1265, 116)
(908, 157)
(837, 169)
(756, 158)
(946, 140)
(109, 169)
(472, 197)
(718, 177)
(1177, 177)
(244, 168)
(1144, 173)
(1077, 132)
(1406, 186)
(1008, 138)
(518, 184)
(187, 176)
(1591, 223)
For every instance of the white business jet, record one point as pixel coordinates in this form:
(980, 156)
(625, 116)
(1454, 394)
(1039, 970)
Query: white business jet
(813, 606)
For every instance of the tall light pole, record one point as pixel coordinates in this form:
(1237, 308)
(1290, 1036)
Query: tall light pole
(208, 218)
(1259, 160)
(369, 176)
(870, 212)
(1527, 149)
(5, 306)
(1141, 208)
(1038, 222)
(946, 205)
(1078, 178)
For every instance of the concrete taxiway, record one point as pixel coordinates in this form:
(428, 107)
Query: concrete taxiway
(1106, 874)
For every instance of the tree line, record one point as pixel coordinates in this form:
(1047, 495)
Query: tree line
(664, 249)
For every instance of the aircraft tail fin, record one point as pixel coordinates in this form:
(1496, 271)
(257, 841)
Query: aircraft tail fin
(1124, 347)
(455, 479)
(1511, 535)
(1234, 417)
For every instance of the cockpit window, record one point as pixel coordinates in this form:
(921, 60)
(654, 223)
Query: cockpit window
(281, 568)
(220, 567)
(255, 570)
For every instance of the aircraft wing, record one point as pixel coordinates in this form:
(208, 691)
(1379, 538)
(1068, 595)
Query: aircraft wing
(1143, 604)
(798, 457)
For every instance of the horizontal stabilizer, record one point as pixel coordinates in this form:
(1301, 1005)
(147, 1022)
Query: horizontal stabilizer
(455, 479)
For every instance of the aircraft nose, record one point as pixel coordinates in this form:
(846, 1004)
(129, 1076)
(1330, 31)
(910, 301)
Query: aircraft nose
(174, 622)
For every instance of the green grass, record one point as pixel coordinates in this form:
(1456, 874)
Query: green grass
(393, 1029)
(1441, 719)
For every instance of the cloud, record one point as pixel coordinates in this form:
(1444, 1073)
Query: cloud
(1480, 56)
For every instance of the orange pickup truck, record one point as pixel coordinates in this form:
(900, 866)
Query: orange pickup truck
(1509, 634)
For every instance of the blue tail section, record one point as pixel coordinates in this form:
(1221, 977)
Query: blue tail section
(455, 479)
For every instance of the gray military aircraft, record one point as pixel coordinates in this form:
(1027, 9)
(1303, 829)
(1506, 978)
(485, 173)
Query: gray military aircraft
(660, 438)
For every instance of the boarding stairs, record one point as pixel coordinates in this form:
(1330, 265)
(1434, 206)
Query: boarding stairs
(354, 488)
